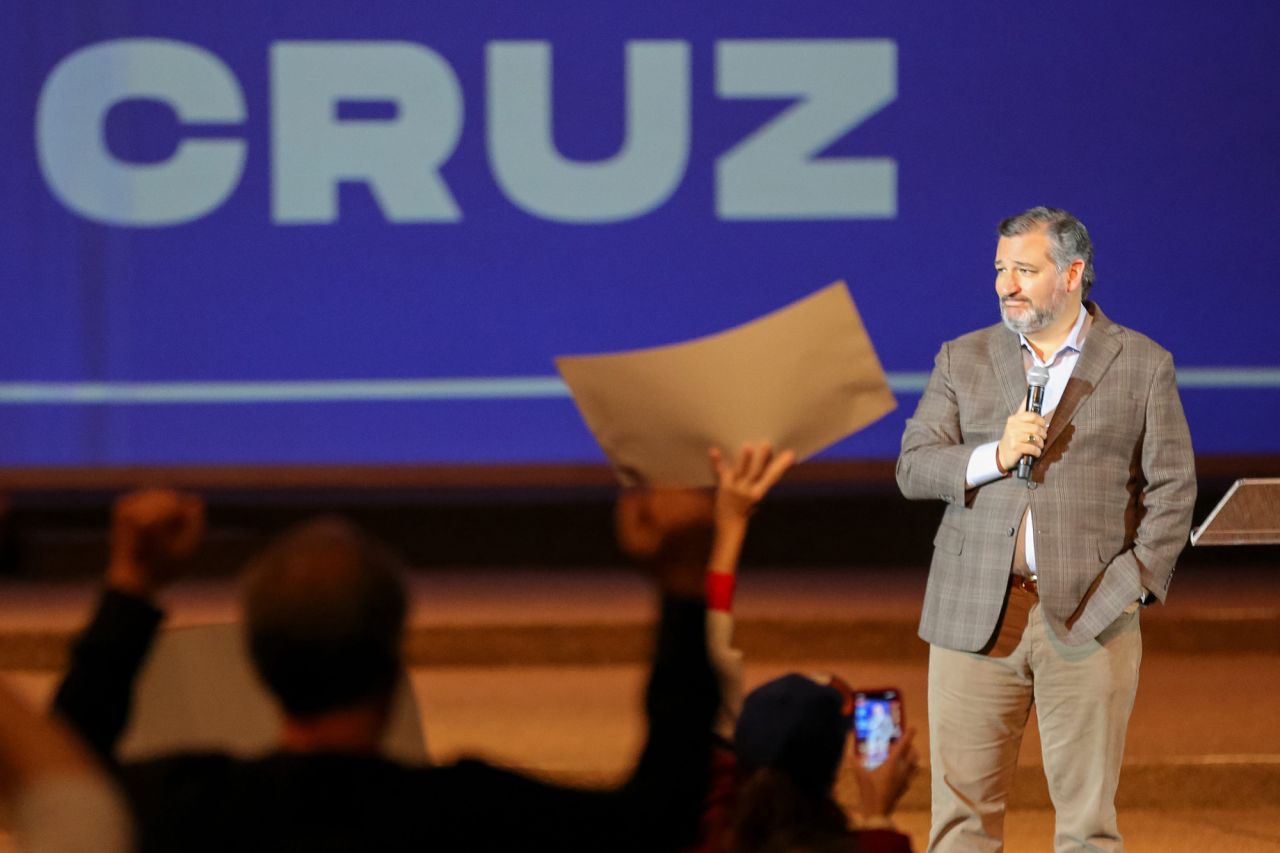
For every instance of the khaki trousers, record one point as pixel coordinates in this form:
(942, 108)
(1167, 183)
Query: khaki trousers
(978, 708)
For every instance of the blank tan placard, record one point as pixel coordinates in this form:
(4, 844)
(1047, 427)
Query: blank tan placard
(198, 691)
(802, 377)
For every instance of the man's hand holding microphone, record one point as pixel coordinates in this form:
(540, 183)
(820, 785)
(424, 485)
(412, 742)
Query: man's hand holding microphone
(1025, 430)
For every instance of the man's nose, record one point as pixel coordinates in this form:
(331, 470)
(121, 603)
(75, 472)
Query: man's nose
(1009, 284)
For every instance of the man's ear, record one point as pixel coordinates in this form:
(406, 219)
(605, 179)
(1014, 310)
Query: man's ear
(1075, 275)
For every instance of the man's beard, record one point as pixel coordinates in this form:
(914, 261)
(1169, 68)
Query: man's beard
(1037, 317)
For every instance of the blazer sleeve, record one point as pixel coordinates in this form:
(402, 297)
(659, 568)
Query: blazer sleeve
(934, 459)
(657, 809)
(1168, 466)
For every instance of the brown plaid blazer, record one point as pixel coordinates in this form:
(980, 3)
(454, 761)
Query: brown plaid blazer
(1114, 487)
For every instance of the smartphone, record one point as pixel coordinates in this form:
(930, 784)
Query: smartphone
(877, 724)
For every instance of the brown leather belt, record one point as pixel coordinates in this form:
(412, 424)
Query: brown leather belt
(1024, 583)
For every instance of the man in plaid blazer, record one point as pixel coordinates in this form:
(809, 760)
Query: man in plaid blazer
(1035, 584)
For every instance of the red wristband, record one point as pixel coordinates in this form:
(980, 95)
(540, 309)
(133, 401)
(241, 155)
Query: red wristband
(1003, 471)
(720, 591)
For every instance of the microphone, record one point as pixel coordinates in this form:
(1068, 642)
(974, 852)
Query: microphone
(1037, 378)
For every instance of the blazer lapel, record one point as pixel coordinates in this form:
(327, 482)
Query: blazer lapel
(1006, 360)
(1100, 349)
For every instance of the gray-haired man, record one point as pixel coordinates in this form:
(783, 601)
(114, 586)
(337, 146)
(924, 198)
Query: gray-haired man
(1034, 586)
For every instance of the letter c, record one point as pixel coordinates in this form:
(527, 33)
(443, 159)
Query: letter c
(70, 142)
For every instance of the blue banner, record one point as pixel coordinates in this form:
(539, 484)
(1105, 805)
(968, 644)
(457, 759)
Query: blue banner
(357, 233)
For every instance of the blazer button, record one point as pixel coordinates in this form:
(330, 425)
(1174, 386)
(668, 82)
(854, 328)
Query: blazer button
(1012, 530)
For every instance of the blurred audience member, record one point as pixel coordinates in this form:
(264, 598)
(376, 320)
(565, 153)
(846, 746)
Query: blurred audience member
(59, 799)
(790, 744)
(325, 611)
(779, 753)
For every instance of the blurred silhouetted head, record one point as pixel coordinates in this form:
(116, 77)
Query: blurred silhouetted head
(797, 726)
(325, 611)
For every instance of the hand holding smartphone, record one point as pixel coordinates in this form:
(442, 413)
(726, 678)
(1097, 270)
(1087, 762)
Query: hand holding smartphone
(877, 724)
